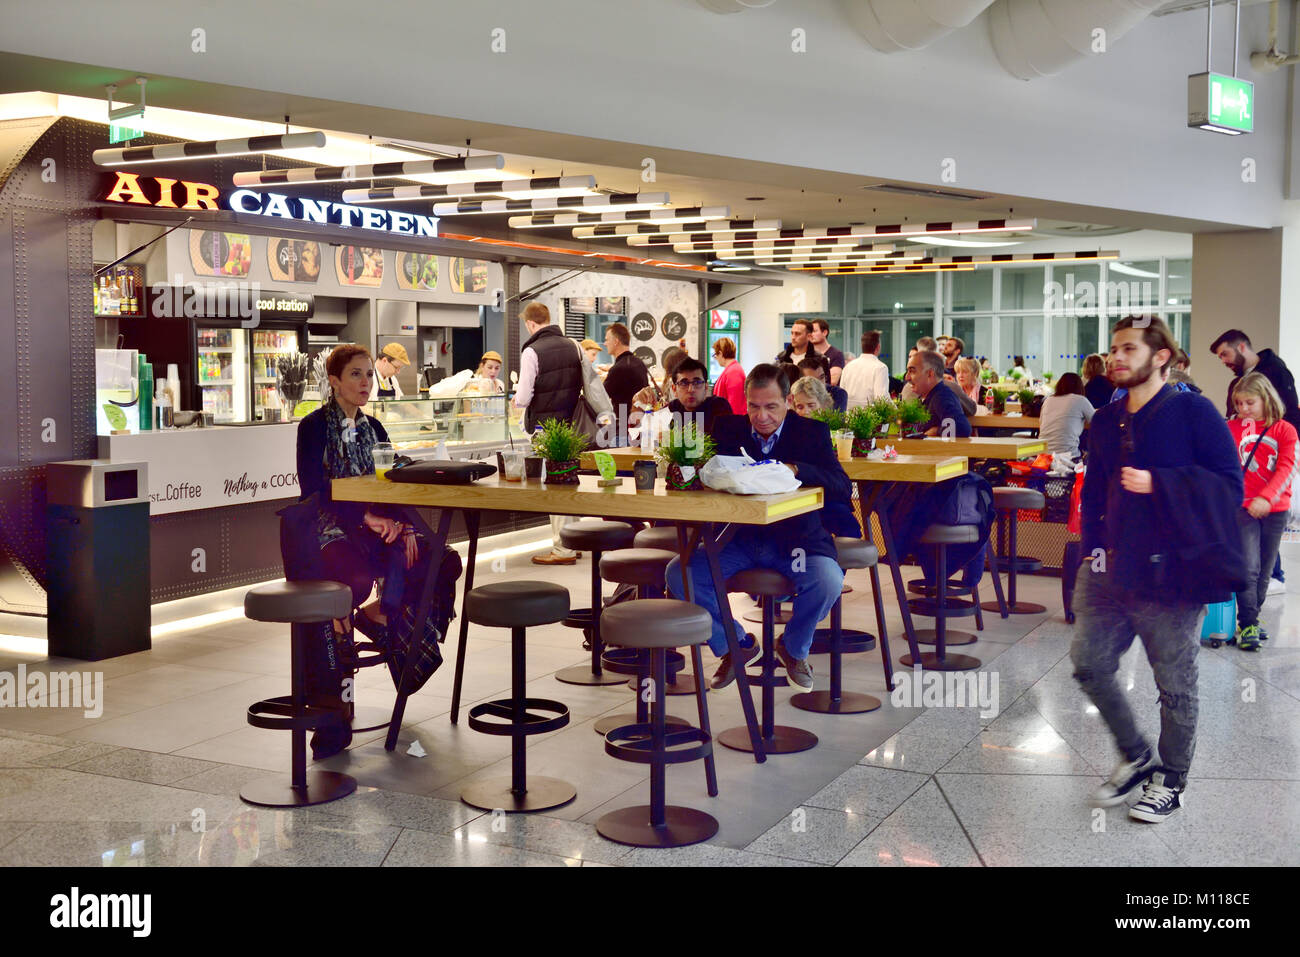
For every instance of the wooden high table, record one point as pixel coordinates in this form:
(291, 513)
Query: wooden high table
(1002, 421)
(702, 518)
(976, 447)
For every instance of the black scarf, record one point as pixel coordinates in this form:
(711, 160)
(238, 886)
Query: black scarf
(348, 448)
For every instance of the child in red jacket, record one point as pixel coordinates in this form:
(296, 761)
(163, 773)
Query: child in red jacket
(1267, 446)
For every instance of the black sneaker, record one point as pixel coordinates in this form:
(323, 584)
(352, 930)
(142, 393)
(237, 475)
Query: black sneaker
(1158, 801)
(726, 674)
(1124, 781)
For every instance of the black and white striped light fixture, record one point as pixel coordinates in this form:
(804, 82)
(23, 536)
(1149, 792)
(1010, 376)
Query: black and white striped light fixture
(621, 201)
(681, 214)
(776, 247)
(839, 259)
(876, 232)
(864, 270)
(352, 174)
(653, 231)
(171, 152)
(991, 259)
(535, 188)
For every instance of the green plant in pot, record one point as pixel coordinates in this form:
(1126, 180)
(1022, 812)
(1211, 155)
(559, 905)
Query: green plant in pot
(886, 412)
(562, 445)
(1048, 376)
(999, 401)
(684, 449)
(1031, 403)
(864, 424)
(912, 416)
(988, 375)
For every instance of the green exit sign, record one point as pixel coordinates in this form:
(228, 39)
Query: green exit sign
(118, 132)
(1222, 104)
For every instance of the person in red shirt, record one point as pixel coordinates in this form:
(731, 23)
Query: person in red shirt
(1267, 445)
(731, 384)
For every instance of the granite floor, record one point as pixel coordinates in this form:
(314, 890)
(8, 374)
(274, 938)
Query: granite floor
(154, 776)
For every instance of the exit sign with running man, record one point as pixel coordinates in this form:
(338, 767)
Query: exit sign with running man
(1220, 103)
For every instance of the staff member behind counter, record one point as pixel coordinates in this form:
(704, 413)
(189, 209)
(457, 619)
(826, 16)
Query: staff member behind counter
(392, 360)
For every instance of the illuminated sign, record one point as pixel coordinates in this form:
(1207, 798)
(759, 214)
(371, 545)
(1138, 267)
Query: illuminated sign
(162, 192)
(1221, 104)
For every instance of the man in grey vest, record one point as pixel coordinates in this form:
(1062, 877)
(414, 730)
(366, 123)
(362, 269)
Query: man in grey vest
(550, 383)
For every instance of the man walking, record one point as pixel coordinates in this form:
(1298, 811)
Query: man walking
(1155, 458)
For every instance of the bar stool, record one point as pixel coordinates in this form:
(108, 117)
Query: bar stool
(517, 606)
(941, 607)
(656, 625)
(664, 537)
(769, 585)
(595, 536)
(837, 640)
(309, 607)
(1008, 500)
(644, 568)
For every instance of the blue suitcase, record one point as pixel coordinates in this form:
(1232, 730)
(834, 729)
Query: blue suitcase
(1220, 623)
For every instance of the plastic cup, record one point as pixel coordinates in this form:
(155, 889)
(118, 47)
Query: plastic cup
(383, 455)
(512, 466)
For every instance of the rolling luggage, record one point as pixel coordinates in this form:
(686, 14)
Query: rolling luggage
(1220, 623)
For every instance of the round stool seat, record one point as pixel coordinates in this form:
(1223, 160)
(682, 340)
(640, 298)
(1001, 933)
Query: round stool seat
(950, 535)
(658, 536)
(597, 535)
(1009, 497)
(761, 581)
(303, 602)
(655, 623)
(855, 553)
(517, 604)
(636, 566)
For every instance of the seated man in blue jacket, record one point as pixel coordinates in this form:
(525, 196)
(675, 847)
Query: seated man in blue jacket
(799, 548)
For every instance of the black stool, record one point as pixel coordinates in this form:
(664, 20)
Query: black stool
(518, 605)
(310, 607)
(941, 608)
(595, 536)
(1008, 501)
(664, 537)
(769, 585)
(644, 568)
(837, 640)
(656, 625)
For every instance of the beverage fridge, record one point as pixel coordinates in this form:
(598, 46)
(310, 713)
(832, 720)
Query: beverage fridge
(235, 368)
(722, 323)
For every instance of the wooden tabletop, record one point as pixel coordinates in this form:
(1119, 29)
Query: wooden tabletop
(624, 458)
(586, 498)
(978, 447)
(991, 421)
(906, 468)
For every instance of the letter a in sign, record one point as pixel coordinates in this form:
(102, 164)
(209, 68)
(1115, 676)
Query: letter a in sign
(127, 190)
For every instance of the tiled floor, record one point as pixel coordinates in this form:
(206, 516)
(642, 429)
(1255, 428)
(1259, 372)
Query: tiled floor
(155, 778)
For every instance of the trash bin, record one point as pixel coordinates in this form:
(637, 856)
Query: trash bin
(97, 518)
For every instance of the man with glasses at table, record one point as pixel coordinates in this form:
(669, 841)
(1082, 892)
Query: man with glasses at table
(799, 548)
(692, 402)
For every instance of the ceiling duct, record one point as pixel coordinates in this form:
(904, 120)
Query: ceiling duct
(1034, 38)
(894, 25)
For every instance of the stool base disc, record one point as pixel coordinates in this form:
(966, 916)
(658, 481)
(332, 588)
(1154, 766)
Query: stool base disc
(930, 662)
(782, 617)
(276, 791)
(581, 675)
(1019, 608)
(542, 793)
(849, 702)
(605, 725)
(682, 826)
(926, 636)
(784, 740)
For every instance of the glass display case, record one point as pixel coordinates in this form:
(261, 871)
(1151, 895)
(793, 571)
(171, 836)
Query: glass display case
(466, 420)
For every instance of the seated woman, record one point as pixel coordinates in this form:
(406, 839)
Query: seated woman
(1096, 386)
(968, 377)
(809, 395)
(1065, 415)
(358, 544)
(820, 367)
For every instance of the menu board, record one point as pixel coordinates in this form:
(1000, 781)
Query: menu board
(293, 260)
(469, 275)
(585, 305)
(359, 265)
(417, 271)
(220, 254)
(613, 305)
(643, 326)
(674, 326)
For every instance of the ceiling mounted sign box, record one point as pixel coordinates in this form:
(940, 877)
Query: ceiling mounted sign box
(1220, 103)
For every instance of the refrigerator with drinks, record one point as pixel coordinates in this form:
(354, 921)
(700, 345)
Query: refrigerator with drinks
(722, 323)
(236, 368)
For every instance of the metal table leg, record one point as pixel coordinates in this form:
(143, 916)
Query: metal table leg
(471, 526)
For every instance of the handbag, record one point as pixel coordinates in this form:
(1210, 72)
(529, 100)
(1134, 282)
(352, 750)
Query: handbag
(428, 656)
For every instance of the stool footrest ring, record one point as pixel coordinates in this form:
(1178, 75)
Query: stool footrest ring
(504, 711)
(635, 742)
(632, 661)
(852, 641)
(280, 714)
(579, 618)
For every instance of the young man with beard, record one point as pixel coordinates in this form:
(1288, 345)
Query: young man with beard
(800, 342)
(817, 334)
(1158, 460)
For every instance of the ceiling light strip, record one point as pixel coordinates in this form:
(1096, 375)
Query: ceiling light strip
(994, 259)
(401, 194)
(905, 229)
(647, 201)
(801, 247)
(681, 214)
(892, 268)
(347, 174)
(171, 152)
(722, 226)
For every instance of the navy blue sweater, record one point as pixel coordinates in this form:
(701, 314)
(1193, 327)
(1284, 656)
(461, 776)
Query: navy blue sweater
(1196, 482)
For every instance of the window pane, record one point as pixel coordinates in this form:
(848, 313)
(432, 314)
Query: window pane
(976, 335)
(1021, 336)
(1132, 286)
(1023, 288)
(972, 291)
(1178, 283)
(886, 329)
(895, 295)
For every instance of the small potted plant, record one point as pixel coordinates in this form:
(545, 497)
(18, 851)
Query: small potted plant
(999, 401)
(684, 449)
(863, 423)
(885, 410)
(561, 444)
(1047, 376)
(912, 416)
(988, 377)
(1031, 403)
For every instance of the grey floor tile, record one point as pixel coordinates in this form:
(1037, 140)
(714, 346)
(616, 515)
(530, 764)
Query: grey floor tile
(147, 766)
(908, 846)
(544, 835)
(16, 753)
(422, 849)
(1081, 846)
(816, 835)
(1040, 751)
(71, 755)
(868, 791)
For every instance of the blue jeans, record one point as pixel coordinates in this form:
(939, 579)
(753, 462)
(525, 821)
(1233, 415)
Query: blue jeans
(817, 578)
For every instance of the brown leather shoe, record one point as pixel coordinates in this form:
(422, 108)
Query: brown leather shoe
(551, 558)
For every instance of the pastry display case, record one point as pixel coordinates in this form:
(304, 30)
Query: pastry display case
(466, 422)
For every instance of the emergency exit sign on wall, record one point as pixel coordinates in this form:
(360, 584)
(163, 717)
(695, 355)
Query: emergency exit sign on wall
(1222, 104)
